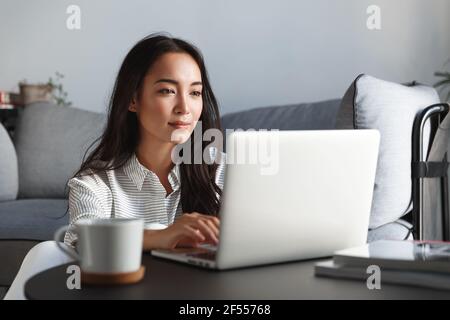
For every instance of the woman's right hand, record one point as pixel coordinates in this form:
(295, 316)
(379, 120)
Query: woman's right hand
(189, 230)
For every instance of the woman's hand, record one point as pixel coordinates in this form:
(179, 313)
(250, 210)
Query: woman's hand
(187, 231)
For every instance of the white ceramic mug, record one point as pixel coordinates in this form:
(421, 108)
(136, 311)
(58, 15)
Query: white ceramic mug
(106, 246)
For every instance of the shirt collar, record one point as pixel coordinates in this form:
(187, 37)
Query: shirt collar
(137, 173)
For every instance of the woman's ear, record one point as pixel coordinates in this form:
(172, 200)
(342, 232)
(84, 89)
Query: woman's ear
(133, 105)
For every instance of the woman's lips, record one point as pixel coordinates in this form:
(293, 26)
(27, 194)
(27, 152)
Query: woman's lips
(180, 124)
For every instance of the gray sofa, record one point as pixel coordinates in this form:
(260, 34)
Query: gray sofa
(49, 144)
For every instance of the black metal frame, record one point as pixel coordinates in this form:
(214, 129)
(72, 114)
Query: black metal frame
(421, 168)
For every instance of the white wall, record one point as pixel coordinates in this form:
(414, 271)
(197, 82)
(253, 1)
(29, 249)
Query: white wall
(257, 52)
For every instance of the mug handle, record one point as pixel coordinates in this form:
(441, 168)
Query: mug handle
(59, 239)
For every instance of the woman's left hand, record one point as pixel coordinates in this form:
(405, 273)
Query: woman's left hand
(208, 226)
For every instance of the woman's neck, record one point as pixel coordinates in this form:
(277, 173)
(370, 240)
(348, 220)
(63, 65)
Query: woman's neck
(156, 156)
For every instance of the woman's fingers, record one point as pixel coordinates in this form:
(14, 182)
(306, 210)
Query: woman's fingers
(213, 227)
(206, 229)
(214, 219)
(193, 233)
(209, 226)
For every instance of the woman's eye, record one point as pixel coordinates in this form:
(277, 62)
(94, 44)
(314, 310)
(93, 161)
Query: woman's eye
(166, 91)
(197, 93)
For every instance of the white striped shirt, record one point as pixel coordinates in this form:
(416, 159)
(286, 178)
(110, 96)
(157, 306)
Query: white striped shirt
(132, 191)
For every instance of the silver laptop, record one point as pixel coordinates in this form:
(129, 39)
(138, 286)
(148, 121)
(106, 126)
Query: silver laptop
(290, 195)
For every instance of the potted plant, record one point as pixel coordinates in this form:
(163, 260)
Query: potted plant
(34, 92)
(59, 96)
(51, 91)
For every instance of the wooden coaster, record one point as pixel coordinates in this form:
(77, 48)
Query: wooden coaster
(112, 278)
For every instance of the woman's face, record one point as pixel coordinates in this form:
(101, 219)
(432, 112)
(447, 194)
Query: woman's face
(170, 102)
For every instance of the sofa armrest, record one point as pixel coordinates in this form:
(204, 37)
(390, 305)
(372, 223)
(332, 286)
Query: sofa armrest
(9, 174)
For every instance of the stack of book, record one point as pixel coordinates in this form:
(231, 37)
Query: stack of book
(416, 263)
(10, 100)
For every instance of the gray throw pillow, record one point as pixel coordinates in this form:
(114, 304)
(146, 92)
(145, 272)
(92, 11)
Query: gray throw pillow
(9, 176)
(51, 142)
(371, 103)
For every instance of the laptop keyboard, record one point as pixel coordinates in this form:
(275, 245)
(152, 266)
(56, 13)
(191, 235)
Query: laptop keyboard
(210, 255)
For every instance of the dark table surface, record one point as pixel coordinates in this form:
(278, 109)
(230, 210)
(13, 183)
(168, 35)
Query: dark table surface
(171, 280)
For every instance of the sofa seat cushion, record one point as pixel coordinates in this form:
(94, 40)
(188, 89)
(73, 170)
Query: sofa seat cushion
(32, 219)
(9, 174)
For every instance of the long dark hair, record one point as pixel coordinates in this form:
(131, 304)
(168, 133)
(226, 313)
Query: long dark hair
(121, 135)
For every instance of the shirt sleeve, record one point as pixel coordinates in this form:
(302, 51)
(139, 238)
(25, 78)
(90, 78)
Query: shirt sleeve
(88, 198)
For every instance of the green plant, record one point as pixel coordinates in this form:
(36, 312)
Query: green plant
(444, 83)
(58, 93)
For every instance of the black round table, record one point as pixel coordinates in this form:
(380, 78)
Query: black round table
(171, 280)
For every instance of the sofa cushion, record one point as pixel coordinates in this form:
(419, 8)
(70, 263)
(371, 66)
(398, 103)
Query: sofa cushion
(9, 176)
(303, 116)
(391, 108)
(32, 219)
(51, 142)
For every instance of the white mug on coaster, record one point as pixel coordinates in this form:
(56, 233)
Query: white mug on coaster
(106, 246)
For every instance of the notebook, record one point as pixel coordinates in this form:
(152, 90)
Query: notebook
(403, 255)
(417, 263)
(433, 280)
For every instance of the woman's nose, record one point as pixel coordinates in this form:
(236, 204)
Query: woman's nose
(182, 105)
